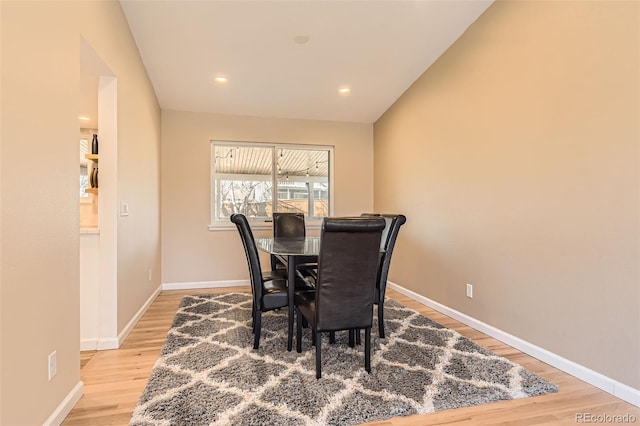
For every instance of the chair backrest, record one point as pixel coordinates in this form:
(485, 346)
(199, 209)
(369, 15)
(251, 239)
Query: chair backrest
(394, 222)
(289, 225)
(347, 269)
(251, 251)
(387, 225)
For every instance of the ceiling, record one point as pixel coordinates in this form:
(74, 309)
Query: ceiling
(288, 59)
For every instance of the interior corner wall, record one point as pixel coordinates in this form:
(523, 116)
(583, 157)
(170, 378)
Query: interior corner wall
(515, 158)
(190, 252)
(132, 267)
(137, 132)
(40, 98)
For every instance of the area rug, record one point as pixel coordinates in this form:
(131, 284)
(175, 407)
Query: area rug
(209, 373)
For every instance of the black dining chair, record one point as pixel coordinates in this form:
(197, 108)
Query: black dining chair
(269, 292)
(344, 293)
(393, 222)
(292, 225)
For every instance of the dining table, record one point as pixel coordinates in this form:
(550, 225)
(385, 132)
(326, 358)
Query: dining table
(290, 249)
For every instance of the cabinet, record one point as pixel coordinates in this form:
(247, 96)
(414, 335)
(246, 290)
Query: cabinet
(93, 187)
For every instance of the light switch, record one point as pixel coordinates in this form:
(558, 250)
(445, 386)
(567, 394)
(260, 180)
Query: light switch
(124, 209)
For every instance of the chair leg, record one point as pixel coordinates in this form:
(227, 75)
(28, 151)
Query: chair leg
(318, 355)
(256, 329)
(358, 341)
(367, 349)
(332, 337)
(381, 319)
(351, 333)
(298, 330)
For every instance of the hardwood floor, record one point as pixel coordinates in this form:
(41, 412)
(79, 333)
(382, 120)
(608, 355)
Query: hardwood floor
(114, 379)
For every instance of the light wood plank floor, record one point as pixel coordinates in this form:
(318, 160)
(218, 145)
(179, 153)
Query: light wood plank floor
(114, 379)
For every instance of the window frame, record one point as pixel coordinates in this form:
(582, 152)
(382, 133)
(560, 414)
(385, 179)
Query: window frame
(262, 223)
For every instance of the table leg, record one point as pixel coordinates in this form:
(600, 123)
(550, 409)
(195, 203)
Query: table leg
(291, 270)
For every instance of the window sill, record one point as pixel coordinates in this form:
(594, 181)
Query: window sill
(231, 227)
(261, 226)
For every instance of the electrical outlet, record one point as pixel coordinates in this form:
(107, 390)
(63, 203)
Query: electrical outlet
(149, 274)
(470, 291)
(53, 367)
(124, 209)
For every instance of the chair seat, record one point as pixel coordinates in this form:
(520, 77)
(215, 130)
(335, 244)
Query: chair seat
(307, 261)
(274, 294)
(274, 275)
(302, 282)
(303, 285)
(307, 265)
(302, 261)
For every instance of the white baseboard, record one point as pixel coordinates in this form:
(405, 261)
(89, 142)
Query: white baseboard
(204, 284)
(607, 384)
(108, 343)
(89, 344)
(57, 417)
(103, 344)
(97, 344)
(127, 328)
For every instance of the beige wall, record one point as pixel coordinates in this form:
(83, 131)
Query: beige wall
(515, 159)
(192, 253)
(39, 176)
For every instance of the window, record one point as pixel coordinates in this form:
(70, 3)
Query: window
(244, 175)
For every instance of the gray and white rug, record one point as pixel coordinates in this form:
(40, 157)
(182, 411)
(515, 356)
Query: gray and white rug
(209, 373)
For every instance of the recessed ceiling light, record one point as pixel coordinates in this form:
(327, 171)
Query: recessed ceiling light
(83, 118)
(301, 39)
(221, 79)
(344, 90)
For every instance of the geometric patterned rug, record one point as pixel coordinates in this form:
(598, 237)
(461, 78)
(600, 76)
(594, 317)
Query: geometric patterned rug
(209, 373)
